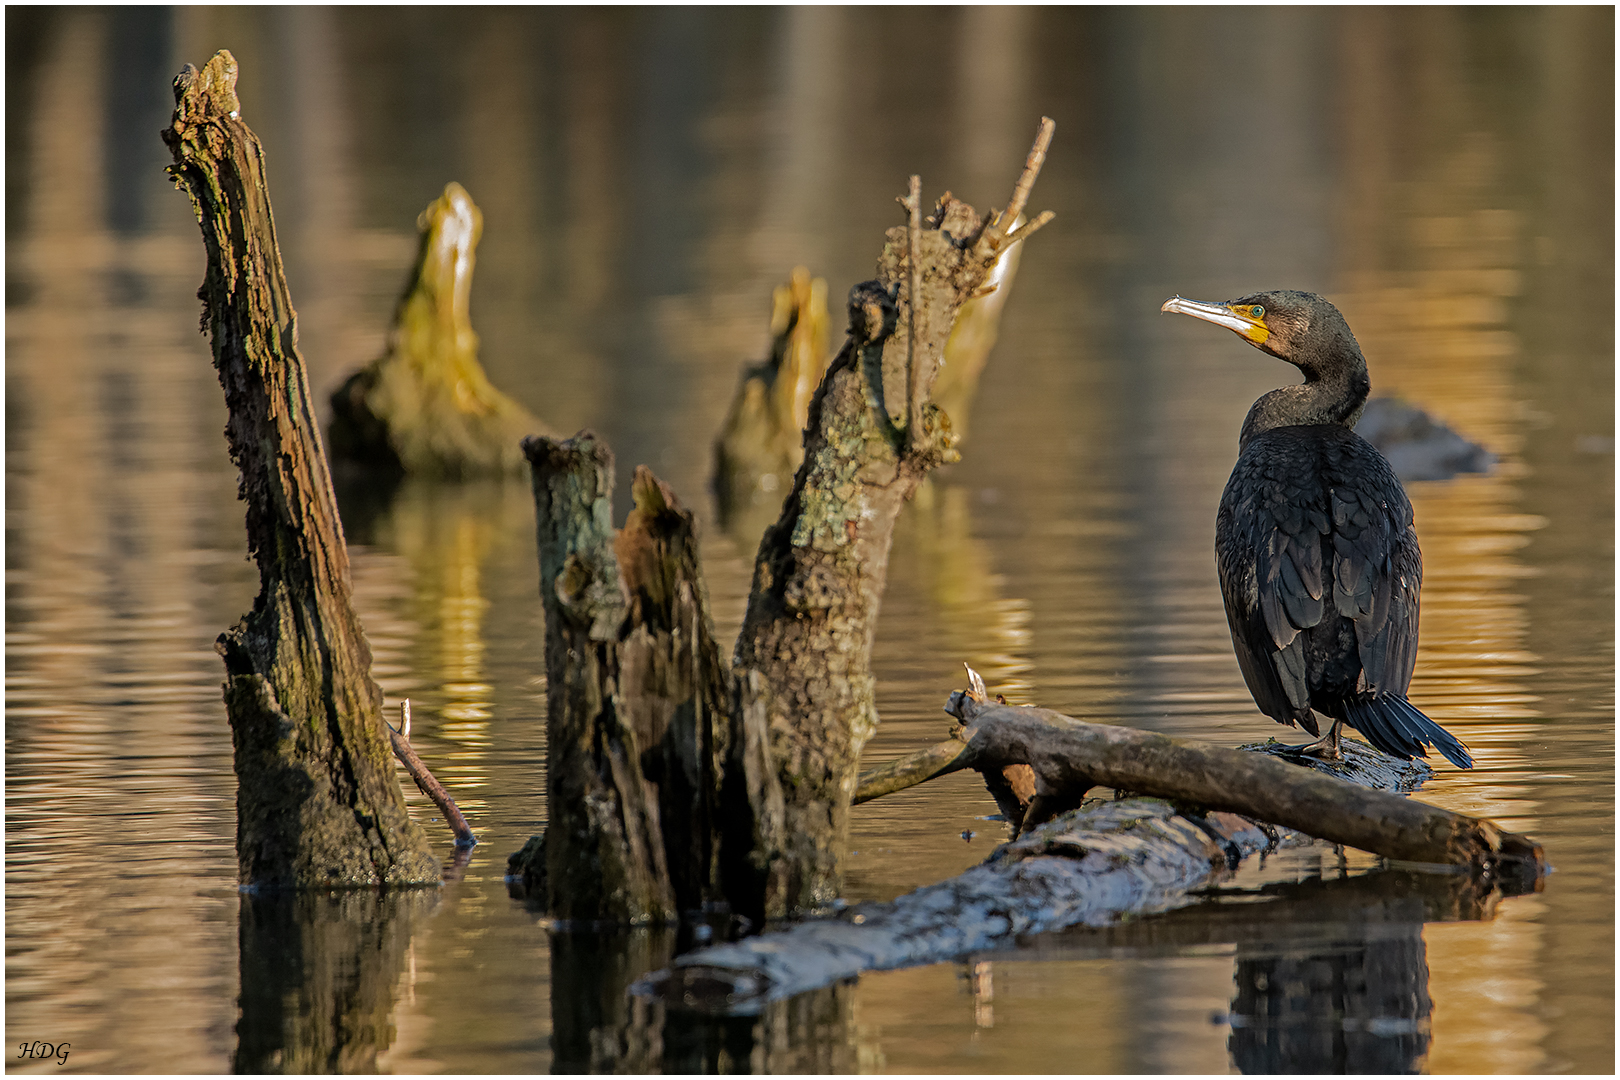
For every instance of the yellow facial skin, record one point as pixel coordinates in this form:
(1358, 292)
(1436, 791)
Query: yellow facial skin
(1247, 321)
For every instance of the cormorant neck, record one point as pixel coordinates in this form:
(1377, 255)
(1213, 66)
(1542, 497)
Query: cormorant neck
(1332, 393)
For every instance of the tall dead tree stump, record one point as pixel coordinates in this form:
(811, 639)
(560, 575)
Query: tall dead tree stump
(673, 781)
(318, 802)
(803, 657)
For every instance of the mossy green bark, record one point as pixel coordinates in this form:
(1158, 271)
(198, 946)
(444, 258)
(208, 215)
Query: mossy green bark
(318, 802)
(426, 407)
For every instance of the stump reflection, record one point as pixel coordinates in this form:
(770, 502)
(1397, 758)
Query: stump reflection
(318, 975)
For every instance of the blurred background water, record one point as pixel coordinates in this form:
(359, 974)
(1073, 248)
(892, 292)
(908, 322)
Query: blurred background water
(647, 176)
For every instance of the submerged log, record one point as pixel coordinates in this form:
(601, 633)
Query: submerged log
(1417, 446)
(426, 407)
(803, 657)
(318, 802)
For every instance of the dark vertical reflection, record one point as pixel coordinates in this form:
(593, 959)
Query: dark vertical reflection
(596, 1025)
(318, 976)
(1354, 1006)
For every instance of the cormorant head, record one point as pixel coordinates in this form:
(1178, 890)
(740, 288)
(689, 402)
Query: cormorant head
(1299, 327)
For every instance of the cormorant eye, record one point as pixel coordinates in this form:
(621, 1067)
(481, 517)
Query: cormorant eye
(1256, 311)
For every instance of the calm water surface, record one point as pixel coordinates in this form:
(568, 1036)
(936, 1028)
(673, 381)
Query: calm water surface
(647, 177)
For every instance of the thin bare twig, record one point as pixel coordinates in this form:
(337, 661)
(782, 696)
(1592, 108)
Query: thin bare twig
(1030, 226)
(914, 302)
(1032, 169)
(1004, 224)
(400, 738)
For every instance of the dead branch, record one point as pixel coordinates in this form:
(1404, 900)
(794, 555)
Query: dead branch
(425, 782)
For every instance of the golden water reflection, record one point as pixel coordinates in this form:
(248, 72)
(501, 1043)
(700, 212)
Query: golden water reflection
(1444, 174)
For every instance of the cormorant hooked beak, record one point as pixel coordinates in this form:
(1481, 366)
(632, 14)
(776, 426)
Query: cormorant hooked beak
(1247, 321)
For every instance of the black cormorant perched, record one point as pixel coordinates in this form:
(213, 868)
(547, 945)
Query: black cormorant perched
(1319, 563)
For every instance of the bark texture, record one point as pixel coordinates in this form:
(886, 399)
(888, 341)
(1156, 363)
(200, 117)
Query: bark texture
(318, 802)
(803, 658)
(426, 407)
(635, 697)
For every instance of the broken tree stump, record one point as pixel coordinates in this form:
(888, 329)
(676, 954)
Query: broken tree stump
(425, 407)
(635, 699)
(318, 802)
(803, 657)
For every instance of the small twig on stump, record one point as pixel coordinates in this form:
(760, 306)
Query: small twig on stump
(1003, 228)
(401, 739)
(914, 369)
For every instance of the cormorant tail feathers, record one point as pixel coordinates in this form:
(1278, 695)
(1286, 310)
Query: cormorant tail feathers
(1395, 726)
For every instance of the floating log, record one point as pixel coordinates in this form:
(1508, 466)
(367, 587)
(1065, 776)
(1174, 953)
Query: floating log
(426, 407)
(1104, 861)
(318, 802)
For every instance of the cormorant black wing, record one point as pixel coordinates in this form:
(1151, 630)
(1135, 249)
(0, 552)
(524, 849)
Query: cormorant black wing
(1377, 567)
(1313, 523)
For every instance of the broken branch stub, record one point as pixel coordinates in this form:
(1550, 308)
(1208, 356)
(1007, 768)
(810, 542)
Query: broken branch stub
(873, 435)
(318, 802)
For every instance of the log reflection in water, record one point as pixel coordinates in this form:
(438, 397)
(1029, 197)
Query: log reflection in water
(1330, 975)
(318, 974)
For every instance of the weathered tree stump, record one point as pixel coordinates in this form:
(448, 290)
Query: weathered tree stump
(762, 764)
(635, 698)
(318, 802)
(426, 407)
(803, 657)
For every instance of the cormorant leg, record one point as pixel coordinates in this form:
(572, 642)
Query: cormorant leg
(1327, 747)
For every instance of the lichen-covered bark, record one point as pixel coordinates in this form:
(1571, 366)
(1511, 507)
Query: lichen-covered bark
(426, 407)
(872, 436)
(318, 802)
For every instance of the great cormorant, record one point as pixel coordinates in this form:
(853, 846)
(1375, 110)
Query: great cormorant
(1318, 561)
